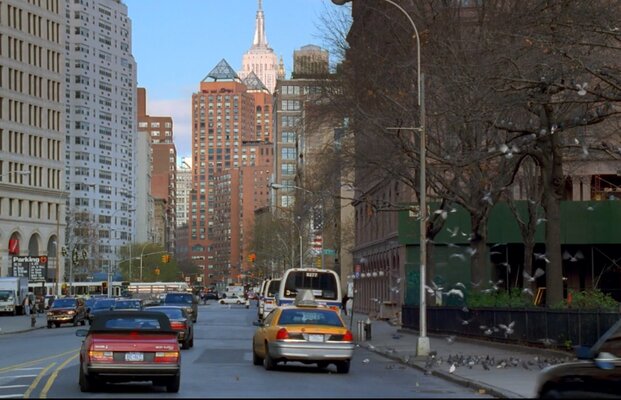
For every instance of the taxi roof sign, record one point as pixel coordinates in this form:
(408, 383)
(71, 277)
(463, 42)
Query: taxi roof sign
(305, 297)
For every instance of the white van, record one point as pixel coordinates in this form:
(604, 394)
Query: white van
(267, 301)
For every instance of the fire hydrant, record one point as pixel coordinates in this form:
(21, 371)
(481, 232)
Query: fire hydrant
(367, 329)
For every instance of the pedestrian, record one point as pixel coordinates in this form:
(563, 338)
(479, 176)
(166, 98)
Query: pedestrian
(26, 305)
(344, 303)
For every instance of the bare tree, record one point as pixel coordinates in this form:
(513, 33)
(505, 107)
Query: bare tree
(508, 79)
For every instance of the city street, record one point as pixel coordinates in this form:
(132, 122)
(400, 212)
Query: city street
(44, 363)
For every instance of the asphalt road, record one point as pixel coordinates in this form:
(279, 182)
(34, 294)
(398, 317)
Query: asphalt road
(44, 364)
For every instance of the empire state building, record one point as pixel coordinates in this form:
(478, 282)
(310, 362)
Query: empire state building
(260, 59)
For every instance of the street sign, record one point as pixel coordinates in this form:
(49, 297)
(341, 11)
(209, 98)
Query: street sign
(329, 252)
(32, 267)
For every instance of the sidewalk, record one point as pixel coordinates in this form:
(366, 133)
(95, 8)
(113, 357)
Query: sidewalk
(20, 323)
(501, 370)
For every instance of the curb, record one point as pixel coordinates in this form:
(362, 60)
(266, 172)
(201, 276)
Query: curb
(481, 387)
(26, 329)
(22, 331)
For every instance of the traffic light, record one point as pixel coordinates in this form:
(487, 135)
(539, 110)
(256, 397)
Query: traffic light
(166, 258)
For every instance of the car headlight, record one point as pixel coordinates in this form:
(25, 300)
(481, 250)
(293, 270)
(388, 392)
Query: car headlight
(49, 314)
(70, 312)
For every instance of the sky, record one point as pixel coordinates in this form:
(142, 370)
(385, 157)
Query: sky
(176, 43)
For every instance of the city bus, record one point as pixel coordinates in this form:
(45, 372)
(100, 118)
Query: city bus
(324, 283)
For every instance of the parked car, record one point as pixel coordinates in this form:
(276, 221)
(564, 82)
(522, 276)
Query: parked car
(306, 332)
(123, 346)
(67, 310)
(595, 374)
(210, 296)
(100, 305)
(180, 322)
(186, 300)
(232, 299)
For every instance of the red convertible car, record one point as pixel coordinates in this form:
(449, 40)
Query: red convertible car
(129, 346)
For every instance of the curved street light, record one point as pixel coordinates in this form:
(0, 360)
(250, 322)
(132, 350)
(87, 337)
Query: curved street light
(423, 345)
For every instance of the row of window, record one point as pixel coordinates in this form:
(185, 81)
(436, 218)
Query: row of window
(145, 124)
(17, 110)
(28, 209)
(15, 51)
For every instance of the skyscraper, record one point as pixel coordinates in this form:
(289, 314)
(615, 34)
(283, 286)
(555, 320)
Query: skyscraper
(223, 115)
(260, 58)
(232, 157)
(100, 165)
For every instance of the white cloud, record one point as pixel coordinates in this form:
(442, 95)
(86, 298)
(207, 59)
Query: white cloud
(181, 112)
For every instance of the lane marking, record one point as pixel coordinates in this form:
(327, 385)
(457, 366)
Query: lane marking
(34, 383)
(10, 396)
(28, 363)
(28, 369)
(16, 376)
(12, 386)
(52, 378)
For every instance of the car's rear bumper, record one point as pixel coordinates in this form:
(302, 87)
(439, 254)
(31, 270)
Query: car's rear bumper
(132, 370)
(311, 351)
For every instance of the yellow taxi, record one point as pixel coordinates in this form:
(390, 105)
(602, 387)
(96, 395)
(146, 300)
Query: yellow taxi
(305, 332)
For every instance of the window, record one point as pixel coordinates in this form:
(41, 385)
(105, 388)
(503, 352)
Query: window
(288, 137)
(288, 153)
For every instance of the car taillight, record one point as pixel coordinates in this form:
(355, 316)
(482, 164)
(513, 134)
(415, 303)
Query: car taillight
(102, 356)
(282, 334)
(268, 301)
(177, 325)
(335, 308)
(166, 356)
(348, 336)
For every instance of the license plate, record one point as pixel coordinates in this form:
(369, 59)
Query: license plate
(134, 357)
(315, 338)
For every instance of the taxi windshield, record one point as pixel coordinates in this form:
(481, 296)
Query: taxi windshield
(309, 317)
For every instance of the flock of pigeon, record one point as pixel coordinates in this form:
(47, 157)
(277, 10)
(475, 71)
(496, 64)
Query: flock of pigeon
(488, 363)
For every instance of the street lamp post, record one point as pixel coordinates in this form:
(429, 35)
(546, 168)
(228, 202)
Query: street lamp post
(279, 186)
(141, 255)
(423, 345)
(58, 246)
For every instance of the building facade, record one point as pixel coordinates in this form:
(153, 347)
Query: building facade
(32, 134)
(163, 169)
